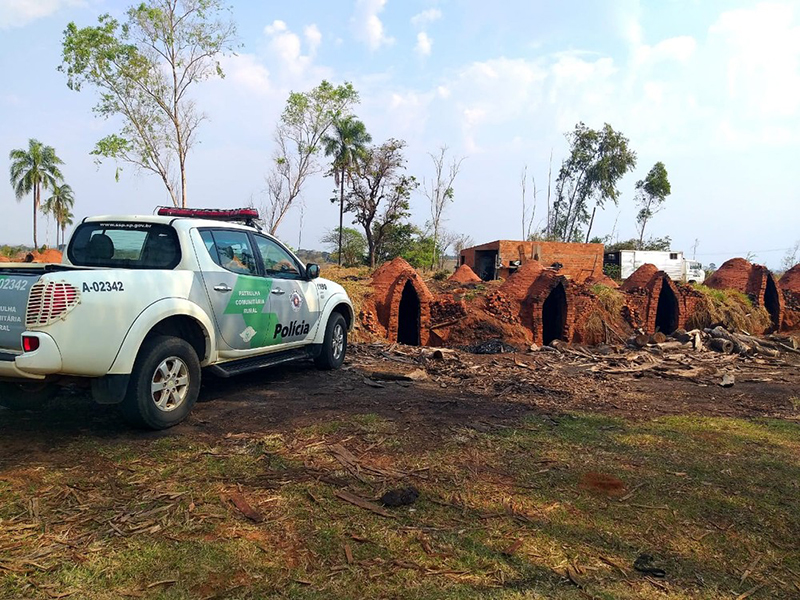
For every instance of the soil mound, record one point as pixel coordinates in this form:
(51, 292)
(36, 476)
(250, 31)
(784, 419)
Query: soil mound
(464, 274)
(51, 255)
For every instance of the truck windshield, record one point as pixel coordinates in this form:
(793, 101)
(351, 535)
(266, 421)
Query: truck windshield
(125, 245)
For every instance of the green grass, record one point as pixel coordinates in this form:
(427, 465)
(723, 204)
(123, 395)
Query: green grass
(704, 496)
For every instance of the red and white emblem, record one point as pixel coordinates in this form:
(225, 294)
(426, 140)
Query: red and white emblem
(297, 301)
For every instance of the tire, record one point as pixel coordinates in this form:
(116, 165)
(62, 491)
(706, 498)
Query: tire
(170, 365)
(334, 345)
(26, 396)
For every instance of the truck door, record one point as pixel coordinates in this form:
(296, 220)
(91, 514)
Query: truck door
(239, 293)
(293, 299)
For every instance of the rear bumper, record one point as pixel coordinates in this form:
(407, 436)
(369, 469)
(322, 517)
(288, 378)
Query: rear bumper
(46, 360)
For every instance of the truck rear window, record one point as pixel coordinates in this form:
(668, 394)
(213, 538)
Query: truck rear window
(125, 245)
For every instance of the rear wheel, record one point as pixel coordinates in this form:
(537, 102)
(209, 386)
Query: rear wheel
(164, 384)
(26, 396)
(334, 346)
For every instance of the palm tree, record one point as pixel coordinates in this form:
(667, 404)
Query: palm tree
(348, 142)
(59, 205)
(31, 170)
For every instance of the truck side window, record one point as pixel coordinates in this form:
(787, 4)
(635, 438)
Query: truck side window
(278, 263)
(231, 250)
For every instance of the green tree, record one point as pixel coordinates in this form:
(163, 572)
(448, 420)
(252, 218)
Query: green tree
(60, 204)
(143, 71)
(651, 192)
(398, 240)
(598, 159)
(348, 142)
(306, 118)
(660, 244)
(380, 193)
(31, 171)
(348, 246)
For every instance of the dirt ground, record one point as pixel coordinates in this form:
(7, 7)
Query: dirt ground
(460, 390)
(426, 403)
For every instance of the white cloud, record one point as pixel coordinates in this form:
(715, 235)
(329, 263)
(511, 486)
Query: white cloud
(368, 26)
(288, 46)
(424, 44)
(762, 47)
(18, 13)
(277, 26)
(426, 17)
(245, 71)
(313, 38)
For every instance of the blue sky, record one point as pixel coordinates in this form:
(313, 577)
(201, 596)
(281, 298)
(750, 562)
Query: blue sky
(710, 88)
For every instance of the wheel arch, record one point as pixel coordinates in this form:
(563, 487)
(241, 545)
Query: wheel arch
(173, 317)
(340, 304)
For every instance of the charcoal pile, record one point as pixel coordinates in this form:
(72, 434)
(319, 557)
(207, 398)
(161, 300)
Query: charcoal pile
(495, 346)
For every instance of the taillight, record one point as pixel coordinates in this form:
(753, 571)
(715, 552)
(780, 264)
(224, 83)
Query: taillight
(50, 301)
(30, 343)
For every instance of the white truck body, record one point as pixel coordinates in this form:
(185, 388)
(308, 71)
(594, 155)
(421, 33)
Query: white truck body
(673, 264)
(78, 320)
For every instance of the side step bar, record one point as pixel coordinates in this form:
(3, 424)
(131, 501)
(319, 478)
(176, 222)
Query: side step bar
(245, 365)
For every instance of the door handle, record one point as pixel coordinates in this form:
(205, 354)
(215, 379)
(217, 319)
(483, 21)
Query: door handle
(223, 287)
(278, 292)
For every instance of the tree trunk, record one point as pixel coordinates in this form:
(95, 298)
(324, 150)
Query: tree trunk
(341, 214)
(36, 193)
(370, 246)
(433, 255)
(183, 184)
(591, 222)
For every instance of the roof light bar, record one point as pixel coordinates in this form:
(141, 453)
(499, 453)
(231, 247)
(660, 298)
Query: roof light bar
(218, 214)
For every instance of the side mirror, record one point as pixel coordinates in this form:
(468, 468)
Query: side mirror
(312, 271)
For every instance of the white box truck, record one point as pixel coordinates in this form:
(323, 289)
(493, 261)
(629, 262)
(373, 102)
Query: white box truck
(673, 264)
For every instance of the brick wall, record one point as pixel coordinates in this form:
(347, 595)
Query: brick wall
(641, 302)
(579, 261)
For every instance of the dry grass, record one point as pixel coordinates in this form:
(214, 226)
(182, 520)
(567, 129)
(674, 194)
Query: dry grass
(503, 514)
(610, 299)
(729, 308)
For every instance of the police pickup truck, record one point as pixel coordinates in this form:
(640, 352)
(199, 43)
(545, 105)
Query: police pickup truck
(141, 305)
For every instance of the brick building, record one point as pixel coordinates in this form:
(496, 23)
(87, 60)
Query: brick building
(500, 258)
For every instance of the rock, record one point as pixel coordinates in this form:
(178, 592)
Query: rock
(728, 380)
(400, 497)
(681, 336)
(533, 348)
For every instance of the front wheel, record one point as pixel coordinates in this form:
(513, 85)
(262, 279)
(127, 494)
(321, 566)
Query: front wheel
(26, 396)
(334, 346)
(164, 384)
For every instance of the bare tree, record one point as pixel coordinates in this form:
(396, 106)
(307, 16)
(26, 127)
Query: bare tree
(527, 221)
(462, 241)
(440, 192)
(790, 258)
(298, 139)
(143, 70)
